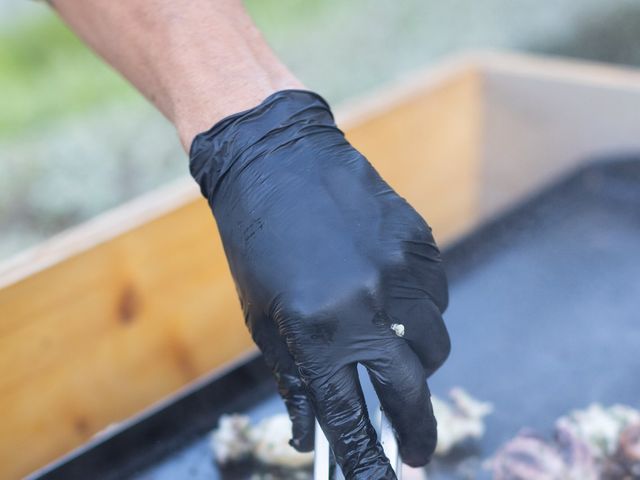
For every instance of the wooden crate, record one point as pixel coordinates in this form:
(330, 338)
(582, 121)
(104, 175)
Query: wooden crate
(108, 318)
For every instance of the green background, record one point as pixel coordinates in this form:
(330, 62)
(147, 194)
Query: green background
(75, 139)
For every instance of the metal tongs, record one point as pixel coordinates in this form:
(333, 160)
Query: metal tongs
(324, 466)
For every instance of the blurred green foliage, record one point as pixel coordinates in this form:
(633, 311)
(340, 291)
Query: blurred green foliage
(339, 47)
(76, 139)
(48, 74)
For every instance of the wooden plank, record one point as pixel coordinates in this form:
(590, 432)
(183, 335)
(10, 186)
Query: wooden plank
(542, 117)
(96, 337)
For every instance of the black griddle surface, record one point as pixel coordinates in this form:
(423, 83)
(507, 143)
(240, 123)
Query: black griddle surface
(544, 318)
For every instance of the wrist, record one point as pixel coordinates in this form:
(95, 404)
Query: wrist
(290, 118)
(207, 103)
(207, 80)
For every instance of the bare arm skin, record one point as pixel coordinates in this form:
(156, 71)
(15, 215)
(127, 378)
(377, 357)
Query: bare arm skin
(197, 61)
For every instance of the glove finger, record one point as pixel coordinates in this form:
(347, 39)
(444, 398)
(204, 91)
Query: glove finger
(425, 267)
(342, 414)
(290, 386)
(400, 382)
(424, 330)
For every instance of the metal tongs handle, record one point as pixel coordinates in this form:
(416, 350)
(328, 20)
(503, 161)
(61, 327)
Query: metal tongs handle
(323, 458)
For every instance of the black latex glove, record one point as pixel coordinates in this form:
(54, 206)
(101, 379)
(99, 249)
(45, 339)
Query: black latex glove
(327, 258)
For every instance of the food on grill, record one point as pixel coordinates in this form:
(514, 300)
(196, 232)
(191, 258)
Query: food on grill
(600, 427)
(592, 444)
(271, 443)
(458, 420)
(235, 440)
(529, 456)
(230, 442)
(625, 462)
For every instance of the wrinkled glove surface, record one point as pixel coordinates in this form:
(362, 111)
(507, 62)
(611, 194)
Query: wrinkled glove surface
(326, 258)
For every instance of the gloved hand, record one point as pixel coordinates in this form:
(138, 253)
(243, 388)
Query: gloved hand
(333, 268)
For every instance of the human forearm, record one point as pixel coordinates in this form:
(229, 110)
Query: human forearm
(197, 60)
